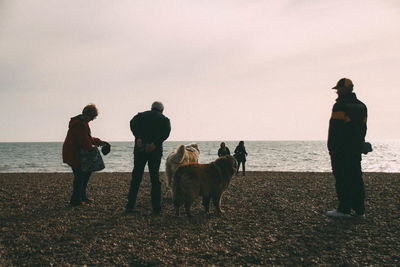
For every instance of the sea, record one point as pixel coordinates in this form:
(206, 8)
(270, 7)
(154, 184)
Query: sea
(285, 156)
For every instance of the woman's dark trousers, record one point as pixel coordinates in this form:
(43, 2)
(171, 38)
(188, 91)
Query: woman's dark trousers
(140, 160)
(81, 180)
(243, 168)
(349, 182)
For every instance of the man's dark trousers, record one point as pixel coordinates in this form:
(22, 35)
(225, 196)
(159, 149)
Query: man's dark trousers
(349, 182)
(140, 160)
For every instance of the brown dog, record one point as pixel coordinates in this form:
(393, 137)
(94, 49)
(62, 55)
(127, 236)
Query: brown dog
(206, 180)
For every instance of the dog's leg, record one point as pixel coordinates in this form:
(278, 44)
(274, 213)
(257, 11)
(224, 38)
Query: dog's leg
(177, 204)
(217, 203)
(188, 204)
(170, 193)
(206, 204)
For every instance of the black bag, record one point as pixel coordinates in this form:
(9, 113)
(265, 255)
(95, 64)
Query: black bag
(106, 149)
(91, 161)
(367, 147)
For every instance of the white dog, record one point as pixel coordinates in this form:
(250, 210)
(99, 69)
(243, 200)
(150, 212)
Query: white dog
(183, 154)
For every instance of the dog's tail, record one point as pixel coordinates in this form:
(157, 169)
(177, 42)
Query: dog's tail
(180, 152)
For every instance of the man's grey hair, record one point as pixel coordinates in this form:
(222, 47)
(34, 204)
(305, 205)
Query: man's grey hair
(157, 105)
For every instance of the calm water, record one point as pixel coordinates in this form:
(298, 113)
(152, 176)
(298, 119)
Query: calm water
(301, 156)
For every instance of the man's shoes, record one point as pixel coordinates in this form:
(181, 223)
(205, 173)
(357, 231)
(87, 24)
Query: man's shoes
(78, 204)
(89, 200)
(129, 209)
(359, 216)
(156, 212)
(337, 214)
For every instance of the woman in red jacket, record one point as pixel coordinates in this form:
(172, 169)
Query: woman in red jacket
(78, 136)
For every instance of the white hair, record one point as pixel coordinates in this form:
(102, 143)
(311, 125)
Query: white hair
(157, 105)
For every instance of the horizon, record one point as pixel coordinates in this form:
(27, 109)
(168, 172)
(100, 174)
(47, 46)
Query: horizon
(191, 141)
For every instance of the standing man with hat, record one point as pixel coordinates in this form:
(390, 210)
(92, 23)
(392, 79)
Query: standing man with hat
(150, 128)
(346, 142)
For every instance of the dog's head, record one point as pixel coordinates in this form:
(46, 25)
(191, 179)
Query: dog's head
(192, 147)
(227, 163)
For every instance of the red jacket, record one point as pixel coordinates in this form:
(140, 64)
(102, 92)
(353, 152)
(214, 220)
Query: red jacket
(77, 137)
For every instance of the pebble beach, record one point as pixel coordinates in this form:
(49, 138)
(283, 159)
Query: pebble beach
(271, 218)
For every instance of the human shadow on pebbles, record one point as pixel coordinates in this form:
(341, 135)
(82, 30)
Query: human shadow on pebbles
(270, 218)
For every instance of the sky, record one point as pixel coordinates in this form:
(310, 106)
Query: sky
(225, 70)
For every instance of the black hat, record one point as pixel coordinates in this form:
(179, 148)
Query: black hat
(106, 149)
(344, 83)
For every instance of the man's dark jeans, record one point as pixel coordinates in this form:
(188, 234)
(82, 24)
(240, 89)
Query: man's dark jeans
(140, 160)
(349, 182)
(81, 180)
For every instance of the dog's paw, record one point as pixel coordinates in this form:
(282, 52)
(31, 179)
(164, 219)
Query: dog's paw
(220, 211)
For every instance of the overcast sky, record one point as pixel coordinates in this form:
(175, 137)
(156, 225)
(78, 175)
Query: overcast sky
(225, 70)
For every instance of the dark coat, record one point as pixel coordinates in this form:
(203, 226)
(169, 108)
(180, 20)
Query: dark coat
(222, 152)
(77, 137)
(152, 127)
(240, 153)
(347, 126)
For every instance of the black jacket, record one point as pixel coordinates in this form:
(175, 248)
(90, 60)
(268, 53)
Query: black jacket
(222, 152)
(152, 127)
(240, 153)
(348, 125)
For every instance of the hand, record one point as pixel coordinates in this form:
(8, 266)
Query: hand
(139, 142)
(150, 148)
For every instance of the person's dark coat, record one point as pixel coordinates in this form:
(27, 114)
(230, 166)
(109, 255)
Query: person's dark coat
(78, 137)
(240, 153)
(152, 127)
(223, 152)
(347, 126)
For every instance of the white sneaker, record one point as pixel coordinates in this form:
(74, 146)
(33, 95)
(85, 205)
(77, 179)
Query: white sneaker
(359, 216)
(337, 214)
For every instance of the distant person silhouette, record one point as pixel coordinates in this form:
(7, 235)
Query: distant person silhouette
(79, 137)
(150, 128)
(240, 155)
(346, 142)
(223, 150)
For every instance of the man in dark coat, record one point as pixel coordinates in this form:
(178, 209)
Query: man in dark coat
(346, 140)
(150, 128)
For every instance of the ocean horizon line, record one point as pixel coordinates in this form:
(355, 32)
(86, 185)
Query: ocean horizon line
(220, 140)
(188, 141)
